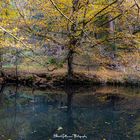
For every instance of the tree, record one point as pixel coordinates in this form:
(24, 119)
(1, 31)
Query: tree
(78, 24)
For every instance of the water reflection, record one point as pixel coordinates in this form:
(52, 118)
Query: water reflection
(1, 95)
(29, 114)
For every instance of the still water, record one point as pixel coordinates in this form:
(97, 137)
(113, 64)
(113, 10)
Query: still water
(97, 113)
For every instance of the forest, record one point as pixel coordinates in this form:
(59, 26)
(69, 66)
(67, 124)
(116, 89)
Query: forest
(75, 59)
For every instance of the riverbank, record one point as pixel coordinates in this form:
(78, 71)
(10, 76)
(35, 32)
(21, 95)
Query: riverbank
(44, 79)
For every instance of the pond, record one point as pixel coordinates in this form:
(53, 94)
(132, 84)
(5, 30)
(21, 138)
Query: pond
(95, 113)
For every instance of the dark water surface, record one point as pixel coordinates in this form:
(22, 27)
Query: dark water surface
(97, 113)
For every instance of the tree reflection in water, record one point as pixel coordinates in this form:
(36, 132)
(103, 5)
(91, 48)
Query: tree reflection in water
(29, 114)
(1, 95)
(8, 126)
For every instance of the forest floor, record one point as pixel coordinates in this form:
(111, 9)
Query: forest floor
(57, 78)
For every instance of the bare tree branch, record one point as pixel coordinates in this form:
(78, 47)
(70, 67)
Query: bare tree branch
(117, 16)
(16, 38)
(101, 11)
(53, 3)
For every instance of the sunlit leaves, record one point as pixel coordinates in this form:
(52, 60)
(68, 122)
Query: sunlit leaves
(41, 19)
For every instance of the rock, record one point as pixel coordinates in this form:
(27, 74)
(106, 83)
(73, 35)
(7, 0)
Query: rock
(1, 80)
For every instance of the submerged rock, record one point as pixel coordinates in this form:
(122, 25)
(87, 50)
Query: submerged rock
(1, 80)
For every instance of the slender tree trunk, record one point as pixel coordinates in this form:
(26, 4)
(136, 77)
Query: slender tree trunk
(1, 73)
(16, 63)
(112, 33)
(0, 61)
(70, 64)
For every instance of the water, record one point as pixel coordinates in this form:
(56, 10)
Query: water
(69, 114)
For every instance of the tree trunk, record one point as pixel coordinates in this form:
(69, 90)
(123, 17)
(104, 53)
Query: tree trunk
(112, 33)
(73, 41)
(69, 64)
(1, 73)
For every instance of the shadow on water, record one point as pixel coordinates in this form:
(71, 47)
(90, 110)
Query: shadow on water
(1, 95)
(97, 113)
